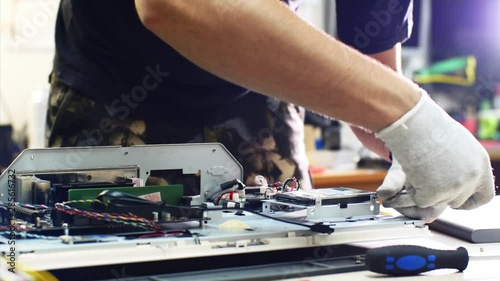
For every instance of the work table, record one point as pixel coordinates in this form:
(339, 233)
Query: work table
(367, 179)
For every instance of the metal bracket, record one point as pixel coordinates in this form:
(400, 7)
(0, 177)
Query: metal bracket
(213, 160)
(335, 212)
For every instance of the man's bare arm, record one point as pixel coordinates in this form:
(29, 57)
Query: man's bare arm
(392, 59)
(262, 45)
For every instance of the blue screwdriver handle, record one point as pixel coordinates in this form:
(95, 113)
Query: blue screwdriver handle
(410, 260)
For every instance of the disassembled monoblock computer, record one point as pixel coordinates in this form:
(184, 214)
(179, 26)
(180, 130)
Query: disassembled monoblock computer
(99, 208)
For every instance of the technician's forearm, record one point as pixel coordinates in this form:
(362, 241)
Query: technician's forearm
(263, 46)
(392, 59)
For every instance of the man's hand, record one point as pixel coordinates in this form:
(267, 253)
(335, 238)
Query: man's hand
(397, 195)
(442, 164)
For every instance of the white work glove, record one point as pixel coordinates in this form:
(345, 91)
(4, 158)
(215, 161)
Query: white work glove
(397, 195)
(444, 164)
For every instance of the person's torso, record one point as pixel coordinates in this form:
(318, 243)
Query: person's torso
(104, 51)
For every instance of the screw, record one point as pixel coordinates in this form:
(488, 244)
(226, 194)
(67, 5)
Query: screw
(66, 229)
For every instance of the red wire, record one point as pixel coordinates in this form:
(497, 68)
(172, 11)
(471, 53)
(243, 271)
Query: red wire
(17, 227)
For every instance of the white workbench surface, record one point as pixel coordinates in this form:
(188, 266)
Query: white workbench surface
(484, 264)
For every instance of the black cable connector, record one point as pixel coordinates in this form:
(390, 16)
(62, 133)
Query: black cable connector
(321, 228)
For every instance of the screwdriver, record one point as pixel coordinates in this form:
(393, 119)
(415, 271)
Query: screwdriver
(404, 260)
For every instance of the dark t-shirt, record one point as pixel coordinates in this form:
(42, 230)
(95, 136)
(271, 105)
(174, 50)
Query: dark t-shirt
(373, 26)
(104, 51)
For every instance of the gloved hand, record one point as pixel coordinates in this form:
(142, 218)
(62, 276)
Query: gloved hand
(397, 195)
(444, 164)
